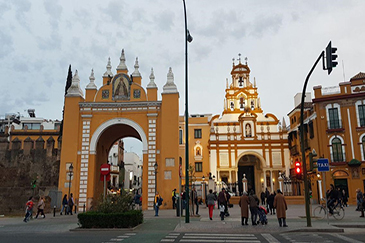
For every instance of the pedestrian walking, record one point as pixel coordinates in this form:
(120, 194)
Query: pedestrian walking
(344, 198)
(29, 209)
(262, 196)
(40, 208)
(211, 198)
(70, 204)
(222, 199)
(270, 203)
(244, 202)
(158, 203)
(359, 199)
(194, 200)
(254, 204)
(137, 200)
(267, 194)
(281, 207)
(64, 204)
(173, 197)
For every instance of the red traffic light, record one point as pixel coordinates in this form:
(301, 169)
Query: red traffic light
(298, 169)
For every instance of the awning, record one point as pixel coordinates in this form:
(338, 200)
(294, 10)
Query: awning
(354, 162)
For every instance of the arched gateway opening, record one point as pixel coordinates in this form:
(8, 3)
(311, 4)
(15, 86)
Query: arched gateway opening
(106, 136)
(249, 165)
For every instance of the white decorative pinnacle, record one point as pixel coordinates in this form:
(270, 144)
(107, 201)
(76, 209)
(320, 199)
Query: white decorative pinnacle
(91, 85)
(136, 72)
(122, 65)
(152, 83)
(75, 89)
(108, 69)
(283, 124)
(170, 86)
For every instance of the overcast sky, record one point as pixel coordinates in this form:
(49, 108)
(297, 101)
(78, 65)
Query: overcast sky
(281, 39)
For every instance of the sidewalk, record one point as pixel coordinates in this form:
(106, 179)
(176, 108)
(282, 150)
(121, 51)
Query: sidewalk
(168, 222)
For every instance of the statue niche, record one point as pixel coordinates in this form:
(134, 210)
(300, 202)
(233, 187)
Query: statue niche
(121, 87)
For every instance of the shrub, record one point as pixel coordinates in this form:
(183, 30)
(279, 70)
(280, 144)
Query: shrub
(113, 212)
(110, 220)
(115, 204)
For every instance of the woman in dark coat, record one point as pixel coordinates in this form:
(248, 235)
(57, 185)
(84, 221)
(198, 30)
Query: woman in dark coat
(244, 202)
(281, 207)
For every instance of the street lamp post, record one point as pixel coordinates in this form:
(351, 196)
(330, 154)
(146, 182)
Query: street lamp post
(156, 167)
(70, 173)
(203, 188)
(188, 38)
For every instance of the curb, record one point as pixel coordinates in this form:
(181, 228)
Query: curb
(318, 230)
(105, 229)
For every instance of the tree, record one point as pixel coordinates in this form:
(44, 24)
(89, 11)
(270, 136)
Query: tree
(67, 86)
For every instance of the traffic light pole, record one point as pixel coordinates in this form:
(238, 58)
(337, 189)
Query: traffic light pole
(304, 164)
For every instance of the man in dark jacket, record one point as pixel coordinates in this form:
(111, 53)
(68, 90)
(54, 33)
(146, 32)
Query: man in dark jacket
(254, 204)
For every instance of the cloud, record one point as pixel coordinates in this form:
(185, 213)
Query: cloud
(6, 44)
(165, 20)
(21, 8)
(54, 10)
(50, 43)
(114, 11)
(263, 25)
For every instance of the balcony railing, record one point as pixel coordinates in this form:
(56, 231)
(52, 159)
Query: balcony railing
(334, 124)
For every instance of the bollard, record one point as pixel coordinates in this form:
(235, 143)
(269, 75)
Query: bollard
(54, 211)
(178, 207)
(84, 208)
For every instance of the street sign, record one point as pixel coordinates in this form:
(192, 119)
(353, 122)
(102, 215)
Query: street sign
(323, 165)
(105, 169)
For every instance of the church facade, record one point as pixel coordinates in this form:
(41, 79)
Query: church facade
(241, 142)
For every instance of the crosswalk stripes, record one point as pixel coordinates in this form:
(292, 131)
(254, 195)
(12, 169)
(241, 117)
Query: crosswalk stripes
(215, 238)
(120, 238)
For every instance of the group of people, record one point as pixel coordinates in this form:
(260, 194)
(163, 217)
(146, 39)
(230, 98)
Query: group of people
(251, 202)
(67, 204)
(29, 209)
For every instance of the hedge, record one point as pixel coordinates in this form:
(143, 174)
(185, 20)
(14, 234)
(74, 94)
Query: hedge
(110, 220)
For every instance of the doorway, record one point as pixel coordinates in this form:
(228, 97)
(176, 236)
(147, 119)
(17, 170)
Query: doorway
(342, 184)
(249, 171)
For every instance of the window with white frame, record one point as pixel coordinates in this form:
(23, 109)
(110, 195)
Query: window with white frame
(337, 151)
(361, 110)
(333, 118)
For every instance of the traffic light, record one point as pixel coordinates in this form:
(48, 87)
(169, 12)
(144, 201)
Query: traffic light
(298, 170)
(331, 57)
(312, 160)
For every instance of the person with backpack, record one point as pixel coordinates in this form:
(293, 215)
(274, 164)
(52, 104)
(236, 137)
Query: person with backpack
(71, 204)
(64, 204)
(158, 203)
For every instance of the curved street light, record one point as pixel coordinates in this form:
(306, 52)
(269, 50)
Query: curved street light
(188, 38)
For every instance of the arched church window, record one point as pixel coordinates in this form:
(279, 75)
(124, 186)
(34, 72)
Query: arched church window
(252, 105)
(363, 146)
(232, 105)
(248, 130)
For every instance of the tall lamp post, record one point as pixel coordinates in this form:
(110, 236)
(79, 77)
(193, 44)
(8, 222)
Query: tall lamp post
(188, 38)
(156, 167)
(70, 173)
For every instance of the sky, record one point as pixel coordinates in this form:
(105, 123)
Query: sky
(281, 39)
